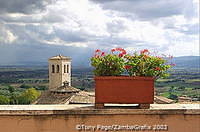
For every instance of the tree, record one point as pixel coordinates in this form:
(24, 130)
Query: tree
(4, 100)
(14, 98)
(25, 86)
(11, 89)
(172, 88)
(173, 96)
(41, 87)
(28, 96)
(181, 88)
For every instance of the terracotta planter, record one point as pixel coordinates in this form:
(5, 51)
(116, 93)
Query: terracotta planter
(124, 89)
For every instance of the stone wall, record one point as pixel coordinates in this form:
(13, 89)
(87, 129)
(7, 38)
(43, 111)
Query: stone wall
(64, 118)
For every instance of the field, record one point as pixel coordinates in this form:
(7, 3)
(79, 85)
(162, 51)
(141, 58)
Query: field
(181, 82)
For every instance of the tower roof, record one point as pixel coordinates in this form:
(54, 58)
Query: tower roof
(65, 89)
(60, 57)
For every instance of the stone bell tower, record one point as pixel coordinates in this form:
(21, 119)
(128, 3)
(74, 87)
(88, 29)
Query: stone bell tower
(59, 71)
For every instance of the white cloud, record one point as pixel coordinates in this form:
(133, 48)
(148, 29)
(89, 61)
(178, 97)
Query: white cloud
(57, 41)
(6, 36)
(90, 24)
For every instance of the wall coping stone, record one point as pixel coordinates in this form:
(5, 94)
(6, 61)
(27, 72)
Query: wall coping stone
(82, 109)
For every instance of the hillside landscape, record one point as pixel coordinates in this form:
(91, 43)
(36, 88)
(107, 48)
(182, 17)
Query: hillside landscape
(15, 79)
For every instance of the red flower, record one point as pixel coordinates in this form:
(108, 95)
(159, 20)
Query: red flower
(157, 68)
(144, 51)
(97, 50)
(98, 53)
(124, 52)
(120, 55)
(119, 49)
(103, 54)
(127, 67)
(113, 50)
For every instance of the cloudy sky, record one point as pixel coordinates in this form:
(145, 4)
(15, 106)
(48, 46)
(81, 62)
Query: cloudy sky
(34, 30)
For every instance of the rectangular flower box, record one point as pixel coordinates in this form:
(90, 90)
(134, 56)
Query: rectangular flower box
(124, 90)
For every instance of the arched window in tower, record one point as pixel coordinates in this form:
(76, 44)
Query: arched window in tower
(64, 68)
(57, 68)
(53, 69)
(67, 68)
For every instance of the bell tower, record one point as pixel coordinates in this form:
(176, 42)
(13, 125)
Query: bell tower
(59, 71)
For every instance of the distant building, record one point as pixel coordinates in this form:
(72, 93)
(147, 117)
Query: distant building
(59, 71)
(184, 98)
(60, 90)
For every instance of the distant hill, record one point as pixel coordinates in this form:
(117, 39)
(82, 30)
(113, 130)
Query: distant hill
(187, 61)
(181, 62)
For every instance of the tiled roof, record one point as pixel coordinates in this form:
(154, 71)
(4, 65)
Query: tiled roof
(71, 95)
(48, 97)
(60, 57)
(82, 98)
(162, 100)
(66, 89)
(67, 95)
(184, 98)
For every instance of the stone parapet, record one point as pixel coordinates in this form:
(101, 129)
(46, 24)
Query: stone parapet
(73, 118)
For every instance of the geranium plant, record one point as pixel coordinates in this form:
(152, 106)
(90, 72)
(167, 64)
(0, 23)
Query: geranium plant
(108, 64)
(145, 64)
(138, 64)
